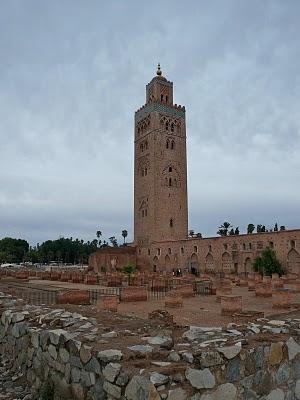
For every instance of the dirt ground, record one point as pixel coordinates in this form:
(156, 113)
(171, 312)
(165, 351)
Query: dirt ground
(204, 310)
(198, 310)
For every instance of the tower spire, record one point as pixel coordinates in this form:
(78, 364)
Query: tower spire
(158, 72)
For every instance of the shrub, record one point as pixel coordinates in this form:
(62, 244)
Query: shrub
(128, 269)
(267, 263)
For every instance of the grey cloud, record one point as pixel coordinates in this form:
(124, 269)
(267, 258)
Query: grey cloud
(72, 74)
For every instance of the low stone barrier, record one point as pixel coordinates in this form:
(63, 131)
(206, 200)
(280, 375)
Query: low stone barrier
(55, 276)
(257, 277)
(292, 278)
(223, 291)
(46, 275)
(296, 287)
(173, 301)
(184, 291)
(22, 275)
(281, 298)
(158, 285)
(243, 283)
(263, 289)
(231, 305)
(73, 297)
(114, 281)
(277, 284)
(77, 278)
(65, 276)
(251, 285)
(91, 279)
(132, 293)
(108, 303)
(247, 316)
(267, 279)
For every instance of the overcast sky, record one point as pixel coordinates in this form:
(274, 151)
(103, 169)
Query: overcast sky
(73, 72)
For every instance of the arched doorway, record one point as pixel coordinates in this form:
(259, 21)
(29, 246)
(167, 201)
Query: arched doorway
(226, 262)
(293, 262)
(167, 263)
(194, 264)
(209, 263)
(155, 265)
(248, 265)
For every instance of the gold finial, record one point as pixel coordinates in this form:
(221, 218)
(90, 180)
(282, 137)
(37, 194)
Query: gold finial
(158, 72)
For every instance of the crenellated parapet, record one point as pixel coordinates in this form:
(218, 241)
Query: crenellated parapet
(174, 110)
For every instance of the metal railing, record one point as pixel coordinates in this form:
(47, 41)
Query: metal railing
(96, 294)
(30, 295)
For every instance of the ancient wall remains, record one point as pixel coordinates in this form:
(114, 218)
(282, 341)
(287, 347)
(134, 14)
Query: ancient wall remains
(50, 347)
(111, 259)
(222, 254)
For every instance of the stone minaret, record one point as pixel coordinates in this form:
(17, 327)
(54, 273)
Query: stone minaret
(160, 167)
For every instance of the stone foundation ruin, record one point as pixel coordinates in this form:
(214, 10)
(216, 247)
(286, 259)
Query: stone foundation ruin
(80, 358)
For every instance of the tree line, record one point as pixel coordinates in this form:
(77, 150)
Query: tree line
(62, 250)
(227, 229)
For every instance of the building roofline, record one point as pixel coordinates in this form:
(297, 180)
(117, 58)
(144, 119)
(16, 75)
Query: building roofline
(231, 237)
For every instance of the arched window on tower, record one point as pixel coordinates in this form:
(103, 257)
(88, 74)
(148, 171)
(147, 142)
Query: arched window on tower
(172, 145)
(172, 127)
(167, 126)
(170, 169)
(171, 223)
(167, 144)
(170, 181)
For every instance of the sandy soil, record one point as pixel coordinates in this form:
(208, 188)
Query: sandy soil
(199, 310)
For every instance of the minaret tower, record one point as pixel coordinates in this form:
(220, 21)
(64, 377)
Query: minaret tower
(160, 167)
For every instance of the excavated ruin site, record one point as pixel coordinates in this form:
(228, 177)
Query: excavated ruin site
(75, 335)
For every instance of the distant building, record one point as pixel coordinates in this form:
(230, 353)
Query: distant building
(161, 206)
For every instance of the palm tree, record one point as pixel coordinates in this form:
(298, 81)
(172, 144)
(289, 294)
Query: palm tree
(223, 229)
(99, 234)
(124, 234)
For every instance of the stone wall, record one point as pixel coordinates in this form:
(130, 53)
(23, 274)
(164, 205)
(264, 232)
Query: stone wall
(253, 361)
